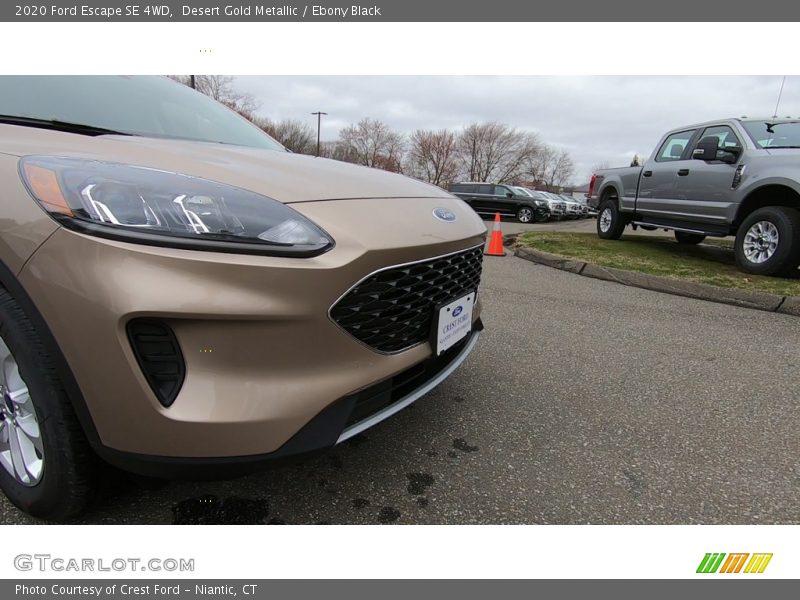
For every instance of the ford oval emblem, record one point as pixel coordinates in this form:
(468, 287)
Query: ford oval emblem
(457, 310)
(443, 214)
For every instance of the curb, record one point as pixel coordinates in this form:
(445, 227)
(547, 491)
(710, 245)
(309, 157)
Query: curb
(789, 305)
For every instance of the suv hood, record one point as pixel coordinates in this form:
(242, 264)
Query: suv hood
(285, 177)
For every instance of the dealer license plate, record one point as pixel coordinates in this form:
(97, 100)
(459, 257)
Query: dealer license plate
(453, 322)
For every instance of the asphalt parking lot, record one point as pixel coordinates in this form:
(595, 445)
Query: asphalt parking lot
(584, 402)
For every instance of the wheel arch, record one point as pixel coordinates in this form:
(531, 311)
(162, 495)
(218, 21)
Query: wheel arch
(771, 194)
(11, 284)
(609, 192)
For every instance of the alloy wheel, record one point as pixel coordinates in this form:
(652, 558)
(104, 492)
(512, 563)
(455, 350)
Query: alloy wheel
(21, 450)
(606, 217)
(760, 242)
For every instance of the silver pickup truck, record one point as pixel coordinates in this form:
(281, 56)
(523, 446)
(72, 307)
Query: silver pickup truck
(730, 177)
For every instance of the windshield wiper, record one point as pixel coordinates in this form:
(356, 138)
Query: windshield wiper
(776, 147)
(59, 125)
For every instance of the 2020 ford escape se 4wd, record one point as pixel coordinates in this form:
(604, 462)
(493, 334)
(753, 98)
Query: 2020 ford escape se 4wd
(180, 294)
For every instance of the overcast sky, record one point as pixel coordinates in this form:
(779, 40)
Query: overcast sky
(597, 119)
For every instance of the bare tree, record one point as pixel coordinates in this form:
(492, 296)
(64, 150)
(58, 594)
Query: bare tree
(636, 161)
(551, 167)
(563, 170)
(494, 151)
(296, 135)
(222, 89)
(371, 143)
(432, 156)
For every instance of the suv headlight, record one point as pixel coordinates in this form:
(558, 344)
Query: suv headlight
(148, 206)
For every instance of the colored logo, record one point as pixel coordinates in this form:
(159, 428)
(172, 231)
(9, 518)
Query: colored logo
(457, 310)
(444, 214)
(719, 562)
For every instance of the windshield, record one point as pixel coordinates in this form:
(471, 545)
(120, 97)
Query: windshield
(147, 106)
(520, 191)
(774, 134)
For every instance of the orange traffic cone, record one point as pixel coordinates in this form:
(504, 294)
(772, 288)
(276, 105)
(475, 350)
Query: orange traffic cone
(496, 241)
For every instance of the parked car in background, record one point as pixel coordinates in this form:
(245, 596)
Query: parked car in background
(574, 208)
(737, 177)
(541, 200)
(571, 208)
(557, 206)
(180, 295)
(584, 206)
(486, 199)
(590, 211)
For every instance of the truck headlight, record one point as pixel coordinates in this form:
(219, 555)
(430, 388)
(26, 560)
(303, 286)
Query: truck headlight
(149, 206)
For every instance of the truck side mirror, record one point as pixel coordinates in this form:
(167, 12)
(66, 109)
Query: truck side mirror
(730, 154)
(706, 148)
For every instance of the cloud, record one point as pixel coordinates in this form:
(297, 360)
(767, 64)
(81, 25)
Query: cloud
(596, 119)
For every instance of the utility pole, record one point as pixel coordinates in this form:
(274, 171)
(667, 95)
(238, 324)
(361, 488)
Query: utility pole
(319, 125)
(192, 82)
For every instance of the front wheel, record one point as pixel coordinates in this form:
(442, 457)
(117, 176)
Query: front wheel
(610, 223)
(46, 465)
(541, 216)
(683, 237)
(768, 242)
(525, 214)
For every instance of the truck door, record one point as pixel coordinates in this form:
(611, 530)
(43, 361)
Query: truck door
(704, 193)
(656, 195)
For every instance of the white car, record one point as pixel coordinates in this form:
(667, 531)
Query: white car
(557, 205)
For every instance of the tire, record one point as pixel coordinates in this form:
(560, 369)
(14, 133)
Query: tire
(67, 471)
(610, 223)
(768, 242)
(526, 214)
(682, 237)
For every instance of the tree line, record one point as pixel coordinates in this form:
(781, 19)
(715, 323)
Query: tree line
(482, 151)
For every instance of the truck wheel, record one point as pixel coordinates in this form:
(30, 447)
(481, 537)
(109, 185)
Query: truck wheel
(610, 223)
(682, 237)
(46, 464)
(525, 214)
(768, 242)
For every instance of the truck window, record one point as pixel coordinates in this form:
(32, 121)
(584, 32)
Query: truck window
(724, 134)
(673, 146)
(774, 134)
(484, 189)
(501, 190)
(725, 138)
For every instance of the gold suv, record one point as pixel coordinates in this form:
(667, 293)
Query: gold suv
(179, 294)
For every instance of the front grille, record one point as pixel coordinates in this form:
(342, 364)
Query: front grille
(393, 309)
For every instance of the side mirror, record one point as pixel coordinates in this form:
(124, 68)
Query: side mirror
(706, 149)
(509, 195)
(731, 154)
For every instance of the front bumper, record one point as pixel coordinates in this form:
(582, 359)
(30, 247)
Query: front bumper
(263, 358)
(343, 419)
